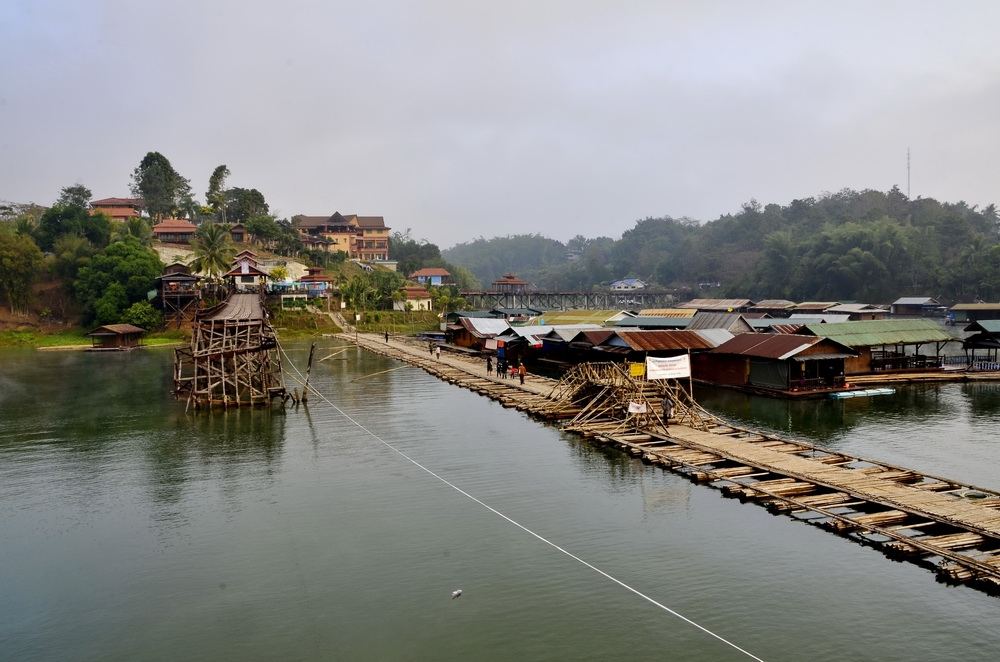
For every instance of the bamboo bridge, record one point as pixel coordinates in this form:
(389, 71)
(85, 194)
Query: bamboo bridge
(940, 523)
(233, 358)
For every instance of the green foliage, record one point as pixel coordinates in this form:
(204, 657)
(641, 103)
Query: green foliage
(63, 219)
(142, 314)
(412, 254)
(20, 260)
(851, 245)
(137, 228)
(215, 196)
(213, 249)
(159, 184)
(77, 195)
(69, 254)
(126, 263)
(242, 204)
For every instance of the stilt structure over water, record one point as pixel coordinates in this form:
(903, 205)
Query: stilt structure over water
(933, 521)
(233, 358)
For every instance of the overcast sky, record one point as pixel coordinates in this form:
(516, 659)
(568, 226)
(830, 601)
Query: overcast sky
(465, 118)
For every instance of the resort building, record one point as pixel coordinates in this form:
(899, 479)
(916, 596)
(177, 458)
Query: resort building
(627, 284)
(416, 297)
(360, 237)
(432, 276)
(117, 209)
(174, 231)
(246, 274)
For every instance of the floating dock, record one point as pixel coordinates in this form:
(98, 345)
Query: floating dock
(940, 523)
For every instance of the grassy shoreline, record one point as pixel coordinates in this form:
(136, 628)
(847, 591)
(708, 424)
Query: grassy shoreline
(77, 337)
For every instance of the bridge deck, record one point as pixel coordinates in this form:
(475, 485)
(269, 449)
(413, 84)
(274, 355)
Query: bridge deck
(239, 307)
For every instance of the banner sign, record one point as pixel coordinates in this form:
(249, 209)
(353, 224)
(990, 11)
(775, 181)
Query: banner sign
(637, 369)
(637, 407)
(673, 368)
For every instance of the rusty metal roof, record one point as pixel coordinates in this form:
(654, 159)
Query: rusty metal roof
(818, 306)
(774, 345)
(648, 341)
(716, 304)
(116, 330)
(734, 322)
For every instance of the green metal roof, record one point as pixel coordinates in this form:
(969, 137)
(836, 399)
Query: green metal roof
(881, 332)
(989, 326)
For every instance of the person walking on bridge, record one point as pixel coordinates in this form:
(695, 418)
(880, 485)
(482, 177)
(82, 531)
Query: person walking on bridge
(489, 366)
(437, 352)
(387, 336)
(521, 372)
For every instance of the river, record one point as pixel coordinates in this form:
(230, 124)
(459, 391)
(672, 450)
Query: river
(131, 530)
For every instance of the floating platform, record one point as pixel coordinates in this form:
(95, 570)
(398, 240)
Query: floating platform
(939, 523)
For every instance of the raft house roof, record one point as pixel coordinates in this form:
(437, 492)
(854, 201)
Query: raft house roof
(880, 332)
(851, 308)
(654, 322)
(772, 304)
(651, 341)
(802, 318)
(816, 306)
(975, 306)
(516, 312)
(483, 327)
(781, 347)
(174, 226)
(778, 325)
(116, 330)
(600, 317)
(916, 301)
(984, 326)
(722, 305)
(733, 322)
(668, 312)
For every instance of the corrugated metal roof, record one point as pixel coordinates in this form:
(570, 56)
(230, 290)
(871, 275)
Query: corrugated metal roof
(581, 316)
(816, 305)
(772, 345)
(595, 337)
(655, 322)
(989, 326)
(881, 332)
(569, 331)
(856, 308)
(915, 301)
(668, 312)
(537, 331)
(801, 318)
(778, 325)
(716, 304)
(731, 321)
(484, 327)
(774, 304)
(648, 341)
(976, 306)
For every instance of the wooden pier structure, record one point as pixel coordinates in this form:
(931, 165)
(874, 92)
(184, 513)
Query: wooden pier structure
(940, 523)
(233, 359)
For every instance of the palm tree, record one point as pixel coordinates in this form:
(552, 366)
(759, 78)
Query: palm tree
(213, 250)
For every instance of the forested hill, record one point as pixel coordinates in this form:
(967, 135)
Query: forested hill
(851, 245)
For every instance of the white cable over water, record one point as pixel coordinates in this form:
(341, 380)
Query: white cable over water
(493, 510)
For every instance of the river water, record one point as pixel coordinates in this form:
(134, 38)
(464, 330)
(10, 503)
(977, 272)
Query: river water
(129, 530)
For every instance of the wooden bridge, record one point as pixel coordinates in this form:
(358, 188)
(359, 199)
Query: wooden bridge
(631, 300)
(233, 358)
(940, 523)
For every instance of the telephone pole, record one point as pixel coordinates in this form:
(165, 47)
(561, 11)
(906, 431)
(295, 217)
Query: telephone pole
(907, 172)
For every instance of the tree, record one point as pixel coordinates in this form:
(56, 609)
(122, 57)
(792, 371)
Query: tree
(63, 219)
(143, 315)
(20, 261)
(77, 195)
(159, 184)
(126, 263)
(216, 194)
(70, 253)
(241, 204)
(279, 273)
(213, 250)
(136, 227)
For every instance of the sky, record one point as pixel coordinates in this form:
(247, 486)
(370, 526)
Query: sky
(461, 119)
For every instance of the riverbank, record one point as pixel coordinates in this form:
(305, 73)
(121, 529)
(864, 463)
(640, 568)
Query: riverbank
(76, 338)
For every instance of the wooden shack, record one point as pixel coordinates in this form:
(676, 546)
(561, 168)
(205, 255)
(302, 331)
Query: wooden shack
(982, 348)
(474, 332)
(886, 345)
(774, 363)
(116, 337)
